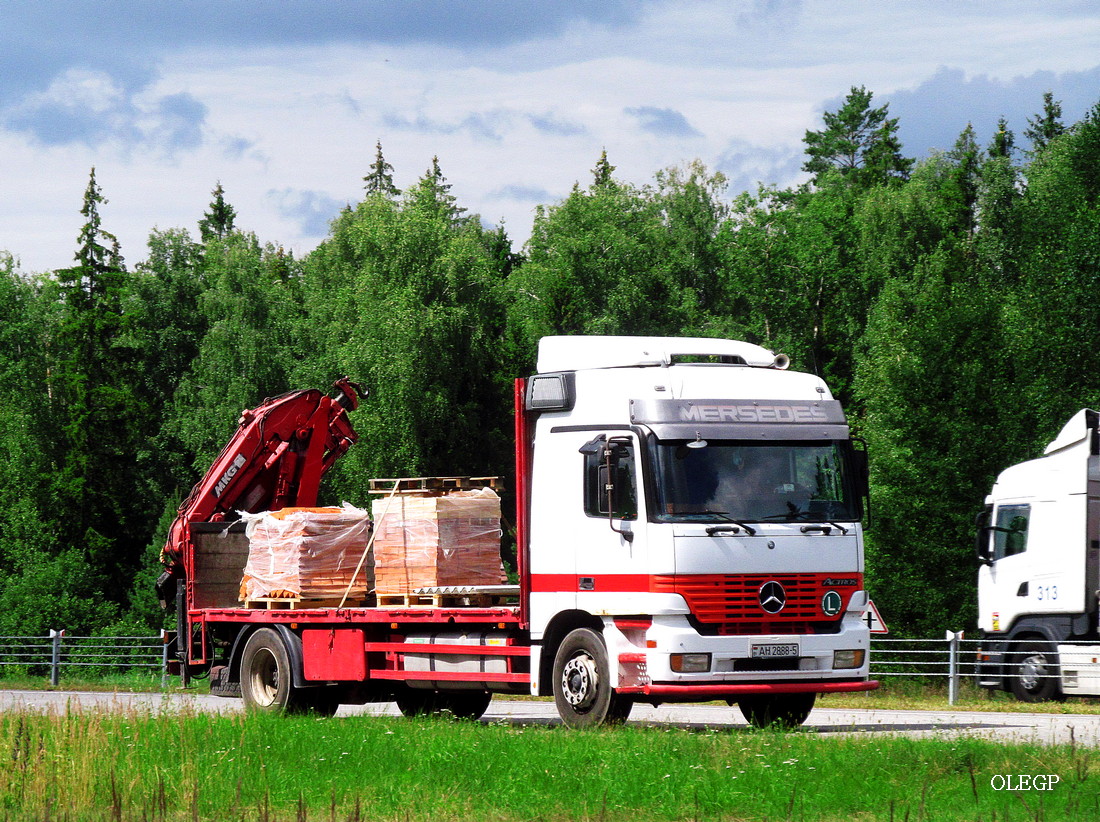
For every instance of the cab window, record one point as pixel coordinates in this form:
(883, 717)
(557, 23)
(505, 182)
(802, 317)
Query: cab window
(1010, 531)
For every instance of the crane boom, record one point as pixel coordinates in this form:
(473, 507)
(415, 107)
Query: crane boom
(276, 459)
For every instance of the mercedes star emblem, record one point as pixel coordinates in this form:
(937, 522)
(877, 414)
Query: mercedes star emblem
(772, 597)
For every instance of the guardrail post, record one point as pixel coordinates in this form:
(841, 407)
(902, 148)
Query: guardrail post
(953, 638)
(163, 659)
(55, 656)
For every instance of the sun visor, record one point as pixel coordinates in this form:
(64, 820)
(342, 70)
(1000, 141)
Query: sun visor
(741, 420)
(771, 431)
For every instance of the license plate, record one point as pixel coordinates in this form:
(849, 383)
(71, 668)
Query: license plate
(768, 651)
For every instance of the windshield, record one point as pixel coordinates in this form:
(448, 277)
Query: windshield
(734, 480)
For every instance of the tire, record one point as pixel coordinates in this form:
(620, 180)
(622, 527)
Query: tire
(267, 683)
(459, 704)
(780, 711)
(416, 702)
(1034, 674)
(583, 692)
(267, 680)
(465, 704)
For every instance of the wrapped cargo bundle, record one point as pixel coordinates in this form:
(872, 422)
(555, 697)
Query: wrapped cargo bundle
(306, 553)
(429, 541)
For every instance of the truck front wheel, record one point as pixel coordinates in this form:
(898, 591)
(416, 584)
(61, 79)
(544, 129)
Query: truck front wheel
(583, 692)
(1035, 673)
(778, 710)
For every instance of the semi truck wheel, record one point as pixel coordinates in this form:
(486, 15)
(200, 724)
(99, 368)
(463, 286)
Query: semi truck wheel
(416, 702)
(466, 704)
(1035, 673)
(460, 704)
(777, 710)
(583, 692)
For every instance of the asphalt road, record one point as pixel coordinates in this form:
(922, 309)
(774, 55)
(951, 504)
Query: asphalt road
(1004, 727)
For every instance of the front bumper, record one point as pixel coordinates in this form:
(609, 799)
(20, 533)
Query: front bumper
(644, 662)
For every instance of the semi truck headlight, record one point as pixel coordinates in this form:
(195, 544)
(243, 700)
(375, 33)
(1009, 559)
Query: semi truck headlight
(690, 663)
(851, 658)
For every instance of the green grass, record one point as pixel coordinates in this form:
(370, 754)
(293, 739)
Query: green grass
(94, 766)
(134, 680)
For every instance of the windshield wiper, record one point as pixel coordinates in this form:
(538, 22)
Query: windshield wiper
(825, 529)
(790, 516)
(735, 526)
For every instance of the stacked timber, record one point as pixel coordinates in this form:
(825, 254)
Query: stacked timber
(428, 540)
(307, 554)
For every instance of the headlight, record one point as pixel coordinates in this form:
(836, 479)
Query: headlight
(851, 658)
(690, 663)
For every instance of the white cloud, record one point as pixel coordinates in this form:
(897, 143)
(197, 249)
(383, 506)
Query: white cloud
(514, 117)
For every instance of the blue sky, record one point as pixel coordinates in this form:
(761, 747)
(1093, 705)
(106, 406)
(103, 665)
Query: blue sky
(283, 101)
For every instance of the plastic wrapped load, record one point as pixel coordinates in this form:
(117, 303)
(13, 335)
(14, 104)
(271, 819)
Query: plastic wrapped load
(428, 541)
(307, 553)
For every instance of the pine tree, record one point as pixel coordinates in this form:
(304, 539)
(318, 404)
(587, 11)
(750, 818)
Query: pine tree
(859, 142)
(98, 406)
(92, 288)
(1046, 126)
(601, 174)
(965, 176)
(380, 179)
(1004, 141)
(433, 193)
(218, 221)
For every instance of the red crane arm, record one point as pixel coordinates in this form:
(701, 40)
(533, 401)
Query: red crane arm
(276, 459)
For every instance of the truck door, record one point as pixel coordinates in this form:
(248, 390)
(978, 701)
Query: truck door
(587, 534)
(1004, 585)
(612, 565)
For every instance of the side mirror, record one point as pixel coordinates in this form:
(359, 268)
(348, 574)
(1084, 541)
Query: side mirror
(982, 548)
(619, 484)
(861, 465)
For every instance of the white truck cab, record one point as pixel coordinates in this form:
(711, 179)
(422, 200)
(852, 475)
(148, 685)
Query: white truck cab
(1038, 542)
(694, 513)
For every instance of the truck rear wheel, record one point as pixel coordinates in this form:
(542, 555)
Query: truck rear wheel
(583, 692)
(460, 704)
(1035, 673)
(466, 704)
(267, 681)
(783, 711)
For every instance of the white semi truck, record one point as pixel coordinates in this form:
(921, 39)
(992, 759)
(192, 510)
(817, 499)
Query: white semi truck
(1038, 542)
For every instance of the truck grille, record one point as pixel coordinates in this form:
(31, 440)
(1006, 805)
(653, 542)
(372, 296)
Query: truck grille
(733, 600)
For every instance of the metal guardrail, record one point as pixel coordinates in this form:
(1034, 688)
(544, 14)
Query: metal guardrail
(62, 650)
(952, 658)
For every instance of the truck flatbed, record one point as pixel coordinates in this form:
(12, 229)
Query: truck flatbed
(425, 614)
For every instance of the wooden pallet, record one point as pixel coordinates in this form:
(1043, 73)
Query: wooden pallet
(433, 485)
(442, 600)
(294, 603)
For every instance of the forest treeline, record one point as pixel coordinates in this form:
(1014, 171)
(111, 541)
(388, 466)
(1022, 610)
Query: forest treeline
(949, 302)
